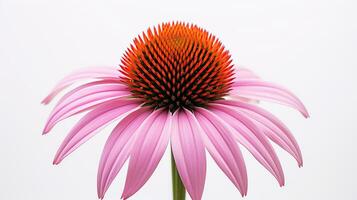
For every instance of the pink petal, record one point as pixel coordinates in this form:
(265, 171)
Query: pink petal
(223, 148)
(149, 147)
(83, 98)
(118, 148)
(90, 124)
(274, 128)
(189, 153)
(244, 99)
(252, 137)
(244, 73)
(86, 73)
(258, 89)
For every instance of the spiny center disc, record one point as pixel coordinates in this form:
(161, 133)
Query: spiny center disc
(177, 65)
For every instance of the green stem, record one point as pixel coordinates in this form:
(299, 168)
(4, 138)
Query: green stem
(178, 189)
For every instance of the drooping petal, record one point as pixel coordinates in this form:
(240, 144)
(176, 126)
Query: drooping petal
(280, 134)
(242, 73)
(258, 89)
(118, 148)
(91, 122)
(83, 98)
(151, 141)
(244, 99)
(252, 137)
(86, 73)
(189, 152)
(224, 149)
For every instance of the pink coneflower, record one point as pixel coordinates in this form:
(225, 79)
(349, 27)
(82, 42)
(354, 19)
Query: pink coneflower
(176, 83)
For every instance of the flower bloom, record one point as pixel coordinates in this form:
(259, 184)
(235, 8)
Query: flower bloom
(176, 84)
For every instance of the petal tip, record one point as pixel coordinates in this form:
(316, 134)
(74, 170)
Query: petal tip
(57, 160)
(47, 128)
(282, 183)
(100, 194)
(300, 161)
(123, 196)
(243, 193)
(45, 131)
(45, 101)
(303, 110)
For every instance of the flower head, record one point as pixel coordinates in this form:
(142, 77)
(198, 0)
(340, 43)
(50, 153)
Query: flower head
(177, 66)
(175, 84)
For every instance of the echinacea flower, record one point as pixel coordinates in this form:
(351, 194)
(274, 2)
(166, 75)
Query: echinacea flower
(176, 84)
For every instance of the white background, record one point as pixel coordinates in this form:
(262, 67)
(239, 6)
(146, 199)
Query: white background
(308, 46)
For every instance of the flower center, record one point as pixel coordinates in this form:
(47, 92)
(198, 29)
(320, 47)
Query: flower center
(177, 65)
